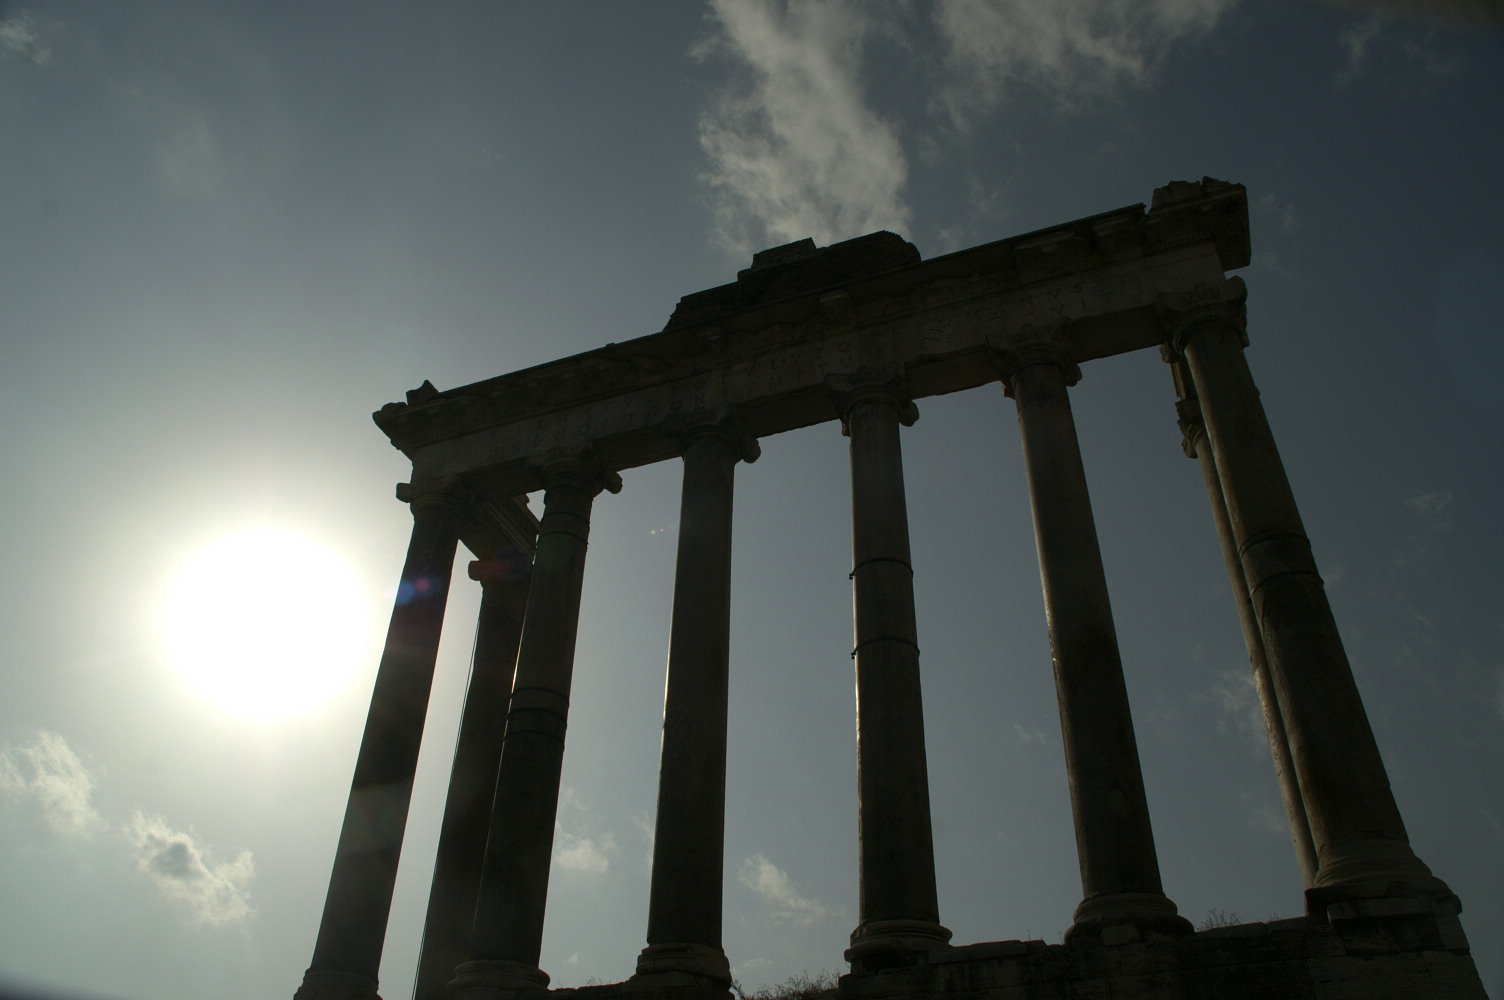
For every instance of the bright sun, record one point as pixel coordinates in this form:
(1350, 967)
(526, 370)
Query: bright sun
(266, 623)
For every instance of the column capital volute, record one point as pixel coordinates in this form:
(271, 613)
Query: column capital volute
(1182, 313)
(854, 389)
(1192, 426)
(447, 494)
(719, 426)
(579, 469)
(1032, 346)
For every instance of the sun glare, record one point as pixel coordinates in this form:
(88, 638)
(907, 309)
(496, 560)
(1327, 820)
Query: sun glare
(266, 623)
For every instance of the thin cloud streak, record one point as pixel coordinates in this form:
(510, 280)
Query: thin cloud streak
(49, 773)
(794, 150)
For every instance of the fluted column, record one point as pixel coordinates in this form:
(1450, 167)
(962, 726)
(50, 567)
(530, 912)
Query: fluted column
(1195, 444)
(1359, 835)
(900, 912)
(508, 932)
(347, 955)
(1114, 841)
(684, 909)
(504, 577)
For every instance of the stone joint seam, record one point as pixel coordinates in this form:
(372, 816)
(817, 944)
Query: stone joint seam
(884, 638)
(582, 538)
(878, 559)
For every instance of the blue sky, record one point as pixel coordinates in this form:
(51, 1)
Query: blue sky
(233, 231)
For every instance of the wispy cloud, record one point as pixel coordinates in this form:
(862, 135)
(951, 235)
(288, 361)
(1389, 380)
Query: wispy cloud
(583, 855)
(1430, 507)
(21, 35)
(1238, 700)
(1410, 50)
(50, 774)
(773, 886)
(648, 831)
(1074, 50)
(182, 869)
(1355, 41)
(1282, 211)
(794, 150)
(1030, 735)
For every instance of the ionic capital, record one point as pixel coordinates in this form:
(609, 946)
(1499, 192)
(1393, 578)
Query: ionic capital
(1192, 426)
(580, 470)
(719, 427)
(1034, 347)
(858, 388)
(1181, 313)
(446, 494)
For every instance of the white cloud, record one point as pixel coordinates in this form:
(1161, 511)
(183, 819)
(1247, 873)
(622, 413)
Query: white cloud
(582, 854)
(794, 150)
(775, 888)
(1071, 49)
(52, 775)
(180, 866)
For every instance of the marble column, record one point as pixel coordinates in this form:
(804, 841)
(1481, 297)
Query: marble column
(1194, 442)
(1359, 835)
(900, 912)
(1114, 841)
(504, 577)
(347, 955)
(684, 909)
(508, 932)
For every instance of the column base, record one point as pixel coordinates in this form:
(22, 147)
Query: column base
(1337, 902)
(1370, 861)
(890, 944)
(668, 964)
(495, 979)
(318, 985)
(1122, 917)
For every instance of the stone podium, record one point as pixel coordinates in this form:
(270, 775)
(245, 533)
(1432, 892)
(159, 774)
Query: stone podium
(855, 333)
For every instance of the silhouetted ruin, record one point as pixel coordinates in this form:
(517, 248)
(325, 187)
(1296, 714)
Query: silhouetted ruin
(855, 333)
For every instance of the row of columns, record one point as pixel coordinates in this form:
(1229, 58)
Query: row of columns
(485, 919)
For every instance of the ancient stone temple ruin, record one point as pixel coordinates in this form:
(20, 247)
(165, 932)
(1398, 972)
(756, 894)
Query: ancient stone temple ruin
(855, 333)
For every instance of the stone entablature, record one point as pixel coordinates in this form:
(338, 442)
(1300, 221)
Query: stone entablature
(938, 322)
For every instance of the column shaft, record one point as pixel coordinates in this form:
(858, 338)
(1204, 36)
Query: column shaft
(1355, 823)
(347, 955)
(1114, 841)
(1274, 724)
(684, 910)
(900, 912)
(472, 778)
(508, 932)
